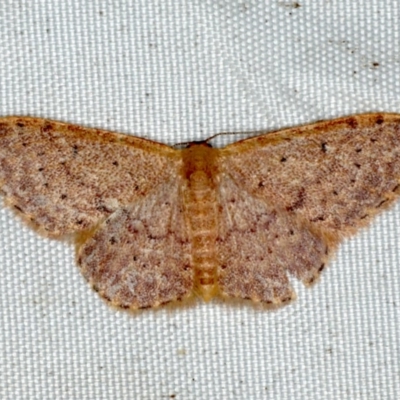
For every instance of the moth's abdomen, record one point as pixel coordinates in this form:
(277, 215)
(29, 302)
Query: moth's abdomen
(201, 217)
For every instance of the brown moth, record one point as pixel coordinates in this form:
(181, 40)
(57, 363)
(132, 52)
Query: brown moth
(153, 224)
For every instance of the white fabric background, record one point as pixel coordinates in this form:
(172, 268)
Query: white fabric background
(177, 70)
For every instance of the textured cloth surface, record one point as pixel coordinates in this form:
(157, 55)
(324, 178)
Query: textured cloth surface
(177, 71)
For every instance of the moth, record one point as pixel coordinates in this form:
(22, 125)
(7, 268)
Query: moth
(153, 224)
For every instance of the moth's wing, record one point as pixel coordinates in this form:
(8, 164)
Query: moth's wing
(63, 178)
(258, 244)
(332, 176)
(140, 256)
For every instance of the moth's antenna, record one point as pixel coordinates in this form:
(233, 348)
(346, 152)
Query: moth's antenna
(221, 134)
(247, 133)
(181, 145)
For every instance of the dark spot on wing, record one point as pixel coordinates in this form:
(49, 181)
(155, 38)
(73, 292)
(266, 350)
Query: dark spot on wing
(18, 208)
(381, 203)
(352, 122)
(48, 127)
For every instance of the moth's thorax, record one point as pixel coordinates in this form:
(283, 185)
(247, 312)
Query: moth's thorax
(200, 171)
